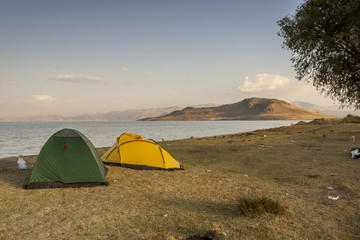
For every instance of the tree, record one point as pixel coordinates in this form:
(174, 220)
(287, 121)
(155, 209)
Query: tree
(324, 37)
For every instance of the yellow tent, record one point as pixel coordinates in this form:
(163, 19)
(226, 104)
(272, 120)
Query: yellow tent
(131, 150)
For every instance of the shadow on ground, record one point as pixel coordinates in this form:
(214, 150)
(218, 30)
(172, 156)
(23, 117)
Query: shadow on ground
(206, 206)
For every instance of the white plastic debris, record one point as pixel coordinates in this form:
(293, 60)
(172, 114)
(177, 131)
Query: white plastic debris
(355, 153)
(330, 188)
(333, 198)
(22, 165)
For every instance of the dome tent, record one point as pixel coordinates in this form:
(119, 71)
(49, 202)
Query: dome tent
(67, 159)
(131, 150)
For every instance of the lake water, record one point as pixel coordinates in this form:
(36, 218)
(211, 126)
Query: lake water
(27, 138)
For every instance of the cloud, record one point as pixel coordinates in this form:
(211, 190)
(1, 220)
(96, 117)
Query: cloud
(148, 72)
(79, 78)
(46, 99)
(124, 69)
(281, 87)
(262, 82)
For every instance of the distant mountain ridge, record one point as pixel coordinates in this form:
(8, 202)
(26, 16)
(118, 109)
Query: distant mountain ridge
(332, 110)
(153, 113)
(127, 115)
(247, 109)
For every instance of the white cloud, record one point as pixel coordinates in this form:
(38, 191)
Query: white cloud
(281, 87)
(262, 82)
(79, 78)
(148, 72)
(124, 69)
(43, 99)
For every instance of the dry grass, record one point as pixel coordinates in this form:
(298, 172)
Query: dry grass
(295, 167)
(259, 206)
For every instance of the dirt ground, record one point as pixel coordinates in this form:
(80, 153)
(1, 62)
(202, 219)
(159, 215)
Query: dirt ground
(12, 161)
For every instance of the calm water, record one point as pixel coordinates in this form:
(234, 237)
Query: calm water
(27, 138)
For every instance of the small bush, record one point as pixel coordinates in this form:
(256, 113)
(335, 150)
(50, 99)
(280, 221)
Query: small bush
(321, 121)
(260, 205)
(351, 119)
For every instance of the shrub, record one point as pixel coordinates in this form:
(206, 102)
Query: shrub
(260, 205)
(351, 119)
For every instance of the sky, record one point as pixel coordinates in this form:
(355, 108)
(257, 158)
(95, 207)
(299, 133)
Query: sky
(83, 56)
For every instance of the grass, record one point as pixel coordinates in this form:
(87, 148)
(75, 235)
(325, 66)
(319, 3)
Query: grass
(295, 167)
(260, 206)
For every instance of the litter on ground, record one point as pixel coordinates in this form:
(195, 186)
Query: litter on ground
(333, 198)
(22, 165)
(355, 153)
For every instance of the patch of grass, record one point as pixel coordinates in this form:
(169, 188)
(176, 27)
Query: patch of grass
(351, 119)
(259, 206)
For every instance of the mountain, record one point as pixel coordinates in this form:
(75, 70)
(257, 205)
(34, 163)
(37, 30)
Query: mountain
(127, 115)
(333, 110)
(36, 118)
(254, 108)
(248, 109)
(308, 106)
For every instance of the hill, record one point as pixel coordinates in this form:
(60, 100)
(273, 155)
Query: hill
(127, 115)
(332, 110)
(248, 109)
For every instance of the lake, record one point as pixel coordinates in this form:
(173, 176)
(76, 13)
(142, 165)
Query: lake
(27, 138)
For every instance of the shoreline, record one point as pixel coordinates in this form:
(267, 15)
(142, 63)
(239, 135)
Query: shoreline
(28, 138)
(7, 162)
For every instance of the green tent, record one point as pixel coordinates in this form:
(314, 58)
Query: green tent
(68, 159)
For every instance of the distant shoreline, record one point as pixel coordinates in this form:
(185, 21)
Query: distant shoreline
(104, 135)
(27, 138)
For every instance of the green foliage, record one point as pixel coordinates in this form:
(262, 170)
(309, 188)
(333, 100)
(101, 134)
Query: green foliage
(258, 206)
(324, 37)
(351, 119)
